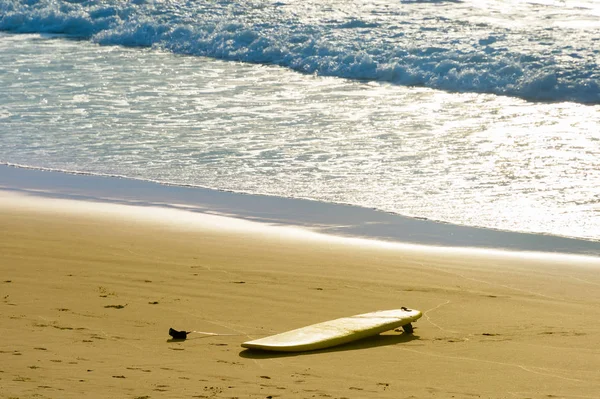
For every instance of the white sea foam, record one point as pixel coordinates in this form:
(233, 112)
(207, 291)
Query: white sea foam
(538, 50)
(467, 158)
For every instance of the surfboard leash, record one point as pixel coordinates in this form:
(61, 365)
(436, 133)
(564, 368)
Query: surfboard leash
(183, 334)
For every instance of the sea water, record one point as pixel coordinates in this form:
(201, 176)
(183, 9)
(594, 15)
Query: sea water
(480, 113)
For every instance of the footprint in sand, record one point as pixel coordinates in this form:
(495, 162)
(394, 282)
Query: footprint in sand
(115, 306)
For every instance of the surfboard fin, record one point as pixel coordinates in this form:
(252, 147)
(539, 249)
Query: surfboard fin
(408, 328)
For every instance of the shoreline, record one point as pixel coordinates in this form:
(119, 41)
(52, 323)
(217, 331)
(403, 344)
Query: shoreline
(334, 219)
(89, 291)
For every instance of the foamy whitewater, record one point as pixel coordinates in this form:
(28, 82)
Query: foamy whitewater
(480, 113)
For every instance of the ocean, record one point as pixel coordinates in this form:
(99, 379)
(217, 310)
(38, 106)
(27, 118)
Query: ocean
(473, 113)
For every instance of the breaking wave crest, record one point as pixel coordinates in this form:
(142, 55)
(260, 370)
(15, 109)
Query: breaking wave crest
(438, 44)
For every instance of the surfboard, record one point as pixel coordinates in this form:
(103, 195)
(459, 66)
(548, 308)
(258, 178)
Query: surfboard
(336, 332)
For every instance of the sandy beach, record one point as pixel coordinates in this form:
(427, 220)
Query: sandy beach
(89, 292)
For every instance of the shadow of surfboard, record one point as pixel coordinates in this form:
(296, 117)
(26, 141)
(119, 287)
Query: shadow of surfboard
(361, 344)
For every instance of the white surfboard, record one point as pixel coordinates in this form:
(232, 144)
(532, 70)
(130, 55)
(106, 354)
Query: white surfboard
(337, 332)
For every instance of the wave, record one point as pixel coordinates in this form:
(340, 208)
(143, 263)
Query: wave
(398, 44)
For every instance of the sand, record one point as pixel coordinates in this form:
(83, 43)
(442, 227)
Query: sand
(330, 218)
(89, 293)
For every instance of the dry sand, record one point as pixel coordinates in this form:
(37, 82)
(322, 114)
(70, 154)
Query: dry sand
(88, 295)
